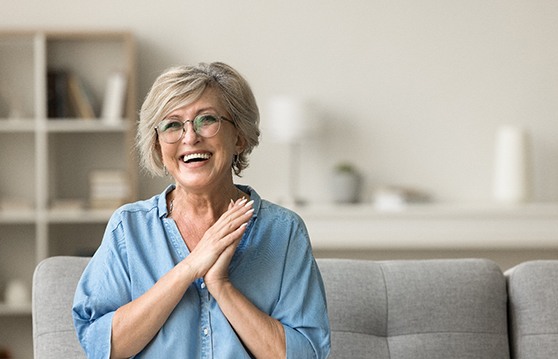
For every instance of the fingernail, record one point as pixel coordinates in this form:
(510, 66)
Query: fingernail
(242, 201)
(250, 211)
(249, 203)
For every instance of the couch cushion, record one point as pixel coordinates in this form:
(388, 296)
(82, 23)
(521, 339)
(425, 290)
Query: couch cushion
(416, 309)
(533, 309)
(54, 285)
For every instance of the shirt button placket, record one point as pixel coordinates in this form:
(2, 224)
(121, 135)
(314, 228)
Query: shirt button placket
(207, 350)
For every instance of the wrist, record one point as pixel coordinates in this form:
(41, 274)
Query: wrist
(219, 288)
(187, 270)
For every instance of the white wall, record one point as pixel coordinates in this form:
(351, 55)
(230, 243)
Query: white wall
(411, 91)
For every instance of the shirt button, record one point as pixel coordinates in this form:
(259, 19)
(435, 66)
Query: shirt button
(203, 285)
(205, 331)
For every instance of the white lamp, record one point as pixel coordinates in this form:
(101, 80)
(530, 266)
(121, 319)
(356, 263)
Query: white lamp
(291, 121)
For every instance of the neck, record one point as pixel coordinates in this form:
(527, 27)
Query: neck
(209, 205)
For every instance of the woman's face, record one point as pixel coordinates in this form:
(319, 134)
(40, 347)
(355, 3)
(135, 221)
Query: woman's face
(197, 163)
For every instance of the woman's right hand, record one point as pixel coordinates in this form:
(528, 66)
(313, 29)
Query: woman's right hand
(229, 228)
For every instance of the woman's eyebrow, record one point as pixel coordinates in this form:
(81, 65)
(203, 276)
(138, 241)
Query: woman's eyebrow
(200, 111)
(207, 109)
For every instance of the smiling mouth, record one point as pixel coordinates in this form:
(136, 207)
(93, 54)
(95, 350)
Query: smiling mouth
(196, 157)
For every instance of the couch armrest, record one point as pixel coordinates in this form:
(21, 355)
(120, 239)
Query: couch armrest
(54, 284)
(533, 309)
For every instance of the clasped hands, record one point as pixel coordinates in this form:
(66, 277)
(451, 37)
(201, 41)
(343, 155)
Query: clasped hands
(211, 257)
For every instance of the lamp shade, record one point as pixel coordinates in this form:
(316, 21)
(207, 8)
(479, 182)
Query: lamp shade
(290, 119)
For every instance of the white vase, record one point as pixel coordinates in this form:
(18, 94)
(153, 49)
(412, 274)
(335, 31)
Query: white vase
(512, 165)
(345, 187)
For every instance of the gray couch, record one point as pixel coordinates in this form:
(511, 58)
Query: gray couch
(460, 308)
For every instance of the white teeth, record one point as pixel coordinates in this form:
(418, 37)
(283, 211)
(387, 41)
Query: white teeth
(196, 156)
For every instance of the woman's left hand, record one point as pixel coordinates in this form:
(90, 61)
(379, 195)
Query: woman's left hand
(218, 274)
(262, 335)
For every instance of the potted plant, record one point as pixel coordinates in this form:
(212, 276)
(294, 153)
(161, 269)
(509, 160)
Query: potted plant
(345, 183)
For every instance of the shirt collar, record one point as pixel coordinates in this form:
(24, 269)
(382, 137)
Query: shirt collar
(254, 196)
(162, 203)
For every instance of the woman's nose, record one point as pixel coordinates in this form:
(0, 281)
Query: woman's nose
(190, 135)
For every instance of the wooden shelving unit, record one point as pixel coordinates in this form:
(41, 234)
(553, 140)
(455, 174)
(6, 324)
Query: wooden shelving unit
(45, 160)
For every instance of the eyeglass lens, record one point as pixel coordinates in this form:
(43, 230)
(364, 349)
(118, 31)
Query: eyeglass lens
(171, 130)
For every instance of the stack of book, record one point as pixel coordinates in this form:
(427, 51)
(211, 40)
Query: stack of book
(14, 204)
(109, 189)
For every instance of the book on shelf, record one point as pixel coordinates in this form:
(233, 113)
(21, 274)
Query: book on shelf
(67, 204)
(115, 98)
(80, 98)
(58, 98)
(16, 204)
(68, 96)
(108, 189)
(109, 176)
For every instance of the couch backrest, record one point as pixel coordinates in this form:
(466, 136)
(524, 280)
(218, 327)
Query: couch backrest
(533, 309)
(416, 309)
(391, 309)
(54, 283)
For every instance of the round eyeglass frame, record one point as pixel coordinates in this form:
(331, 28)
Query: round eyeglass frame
(219, 118)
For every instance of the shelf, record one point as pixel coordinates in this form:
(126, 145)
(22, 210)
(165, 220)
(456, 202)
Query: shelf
(57, 216)
(433, 211)
(8, 310)
(434, 226)
(80, 216)
(17, 217)
(17, 125)
(81, 125)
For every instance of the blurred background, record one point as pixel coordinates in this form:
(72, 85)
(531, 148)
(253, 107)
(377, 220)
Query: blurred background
(444, 102)
(410, 92)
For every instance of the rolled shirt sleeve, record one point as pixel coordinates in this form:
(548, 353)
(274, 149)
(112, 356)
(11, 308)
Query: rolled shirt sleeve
(95, 301)
(302, 308)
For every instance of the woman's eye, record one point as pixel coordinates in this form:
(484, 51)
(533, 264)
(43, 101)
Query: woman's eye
(206, 120)
(170, 126)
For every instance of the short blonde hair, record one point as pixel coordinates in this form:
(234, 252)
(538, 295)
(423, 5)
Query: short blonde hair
(180, 86)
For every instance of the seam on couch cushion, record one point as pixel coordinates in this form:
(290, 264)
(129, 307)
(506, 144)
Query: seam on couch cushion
(449, 332)
(421, 333)
(55, 332)
(537, 334)
(361, 333)
(387, 307)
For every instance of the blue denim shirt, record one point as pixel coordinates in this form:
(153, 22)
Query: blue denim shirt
(273, 267)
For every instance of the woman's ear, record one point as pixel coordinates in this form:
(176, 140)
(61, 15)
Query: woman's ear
(158, 151)
(240, 143)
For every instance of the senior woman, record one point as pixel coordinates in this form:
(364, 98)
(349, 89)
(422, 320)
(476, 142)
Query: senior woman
(206, 269)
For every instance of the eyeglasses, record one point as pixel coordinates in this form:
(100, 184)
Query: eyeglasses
(205, 125)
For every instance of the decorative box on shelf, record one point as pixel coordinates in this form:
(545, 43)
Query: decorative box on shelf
(11, 310)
